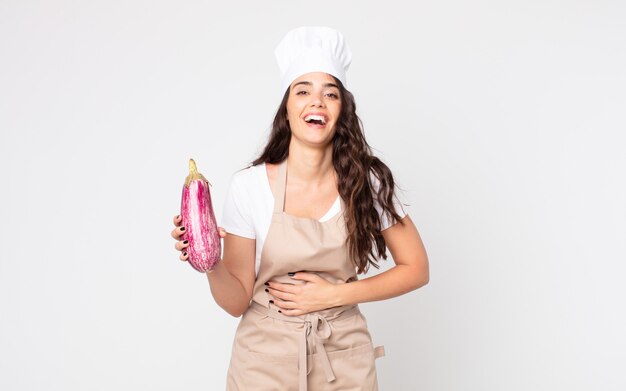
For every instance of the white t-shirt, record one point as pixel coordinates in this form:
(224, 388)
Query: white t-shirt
(249, 206)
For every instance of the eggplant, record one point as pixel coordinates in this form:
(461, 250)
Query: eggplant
(198, 218)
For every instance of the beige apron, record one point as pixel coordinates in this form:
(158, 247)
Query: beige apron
(325, 350)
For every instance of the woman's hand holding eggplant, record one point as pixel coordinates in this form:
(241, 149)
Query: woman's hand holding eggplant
(181, 243)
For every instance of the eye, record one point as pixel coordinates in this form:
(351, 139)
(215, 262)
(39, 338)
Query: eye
(333, 95)
(300, 92)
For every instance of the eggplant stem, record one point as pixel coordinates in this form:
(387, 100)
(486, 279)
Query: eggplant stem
(192, 167)
(194, 174)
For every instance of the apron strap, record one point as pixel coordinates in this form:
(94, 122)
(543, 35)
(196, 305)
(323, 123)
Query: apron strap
(279, 187)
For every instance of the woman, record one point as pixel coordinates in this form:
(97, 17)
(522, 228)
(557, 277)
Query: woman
(315, 209)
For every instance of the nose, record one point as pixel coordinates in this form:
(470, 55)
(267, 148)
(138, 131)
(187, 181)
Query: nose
(316, 100)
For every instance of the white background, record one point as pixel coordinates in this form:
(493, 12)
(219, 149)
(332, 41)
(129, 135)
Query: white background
(502, 120)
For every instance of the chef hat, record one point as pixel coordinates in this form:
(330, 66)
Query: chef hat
(312, 49)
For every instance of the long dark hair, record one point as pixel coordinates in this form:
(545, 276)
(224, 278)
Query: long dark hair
(353, 160)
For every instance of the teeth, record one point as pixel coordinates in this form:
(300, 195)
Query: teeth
(311, 117)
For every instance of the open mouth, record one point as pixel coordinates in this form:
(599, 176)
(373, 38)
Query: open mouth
(314, 119)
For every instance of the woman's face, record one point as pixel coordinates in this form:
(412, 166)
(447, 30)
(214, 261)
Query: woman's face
(313, 108)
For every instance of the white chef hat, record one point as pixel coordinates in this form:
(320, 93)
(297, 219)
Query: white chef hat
(312, 49)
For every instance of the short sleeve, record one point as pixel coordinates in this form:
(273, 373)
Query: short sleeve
(385, 222)
(236, 216)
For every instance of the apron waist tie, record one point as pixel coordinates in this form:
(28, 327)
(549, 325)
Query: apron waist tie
(316, 330)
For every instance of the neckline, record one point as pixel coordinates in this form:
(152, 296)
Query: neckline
(280, 194)
(335, 217)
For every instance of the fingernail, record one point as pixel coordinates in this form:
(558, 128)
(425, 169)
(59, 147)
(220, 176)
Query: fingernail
(267, 290)
(177, 217)
(267, 283)
(184, 254)
(182, 228)
(186, 241)
(271, 301)
(291, 274)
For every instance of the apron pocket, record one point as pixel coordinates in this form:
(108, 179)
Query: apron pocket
(266, 372)
(363, 351)
(273, 358)
(354, 369)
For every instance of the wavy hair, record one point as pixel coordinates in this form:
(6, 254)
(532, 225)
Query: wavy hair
(353, 160)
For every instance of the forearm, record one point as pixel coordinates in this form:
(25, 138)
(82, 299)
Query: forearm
(394, 282)
(227, 290)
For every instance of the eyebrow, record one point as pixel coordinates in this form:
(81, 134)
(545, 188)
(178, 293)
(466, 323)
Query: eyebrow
(308, 83)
